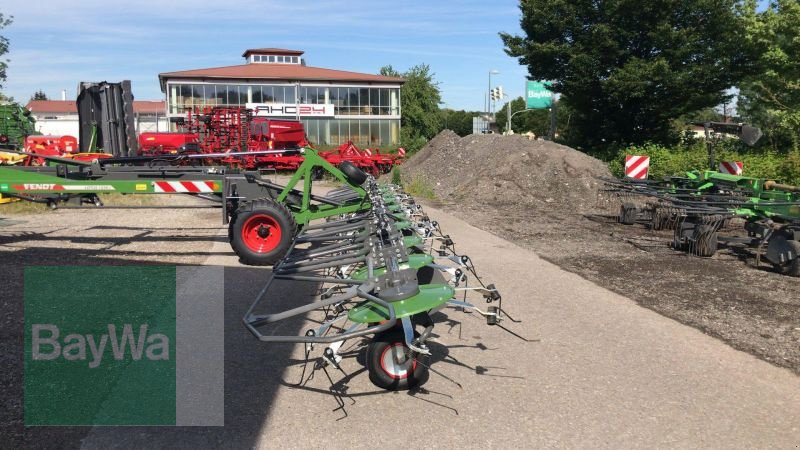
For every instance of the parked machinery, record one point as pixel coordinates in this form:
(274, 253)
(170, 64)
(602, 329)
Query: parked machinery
(698, 205)
(16, 124)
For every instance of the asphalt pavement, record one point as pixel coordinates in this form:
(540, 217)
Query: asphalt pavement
(597, 371)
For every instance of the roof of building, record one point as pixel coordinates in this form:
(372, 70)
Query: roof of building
(69, 106)
(278, 72)
(271, 51)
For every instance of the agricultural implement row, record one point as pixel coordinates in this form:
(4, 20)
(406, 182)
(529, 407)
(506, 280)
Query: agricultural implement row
(699, 205)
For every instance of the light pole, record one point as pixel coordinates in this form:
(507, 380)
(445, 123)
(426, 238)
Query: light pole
(488, 94)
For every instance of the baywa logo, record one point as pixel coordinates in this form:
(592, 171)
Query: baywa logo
(100, 345)
(47, 345)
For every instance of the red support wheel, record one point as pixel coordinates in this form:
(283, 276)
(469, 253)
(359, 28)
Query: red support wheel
(261, 232)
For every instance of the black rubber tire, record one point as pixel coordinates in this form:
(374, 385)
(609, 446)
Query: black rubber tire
(381, 343)
(627, 213)
(261, 207)
(355, 175)
(705, 241)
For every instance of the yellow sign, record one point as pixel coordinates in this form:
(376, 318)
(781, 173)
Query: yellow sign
(141, 187)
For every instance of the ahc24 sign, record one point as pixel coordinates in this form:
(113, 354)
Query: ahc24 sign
(537, 95)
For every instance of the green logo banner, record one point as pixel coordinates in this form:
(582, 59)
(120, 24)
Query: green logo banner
(537, 95)
(102, 346)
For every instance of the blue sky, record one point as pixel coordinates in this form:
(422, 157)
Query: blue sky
(55, 44)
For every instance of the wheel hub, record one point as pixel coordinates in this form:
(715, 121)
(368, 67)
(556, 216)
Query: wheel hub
(261, 233)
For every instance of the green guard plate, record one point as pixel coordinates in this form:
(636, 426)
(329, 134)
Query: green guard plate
(402, 225)
(414, 262)
(412, 241)
(429, 297)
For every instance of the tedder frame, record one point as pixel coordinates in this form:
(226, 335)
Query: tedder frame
(263, 216)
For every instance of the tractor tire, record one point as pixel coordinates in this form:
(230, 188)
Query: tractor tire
(261, 232)
(391, 364)
(705, 240)
(627, 213)
(354, 175)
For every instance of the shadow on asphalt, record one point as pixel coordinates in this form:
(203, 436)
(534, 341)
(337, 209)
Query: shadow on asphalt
(253, 370)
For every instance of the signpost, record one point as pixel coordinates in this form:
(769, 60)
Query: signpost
(537, 95)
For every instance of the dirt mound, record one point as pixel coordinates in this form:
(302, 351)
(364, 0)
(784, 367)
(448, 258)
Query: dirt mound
(509, 172)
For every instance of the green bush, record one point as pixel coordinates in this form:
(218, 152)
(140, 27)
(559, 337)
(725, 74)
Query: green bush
(667, 161)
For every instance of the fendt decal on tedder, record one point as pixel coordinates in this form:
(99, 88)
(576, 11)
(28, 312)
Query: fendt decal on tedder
(700, 205)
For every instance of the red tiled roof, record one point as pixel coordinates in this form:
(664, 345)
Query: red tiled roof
(278, 72)
(273, 51)
(69, 106)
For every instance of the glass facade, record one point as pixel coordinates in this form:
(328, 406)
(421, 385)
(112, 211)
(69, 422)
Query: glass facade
(363, 132)
(368, 116)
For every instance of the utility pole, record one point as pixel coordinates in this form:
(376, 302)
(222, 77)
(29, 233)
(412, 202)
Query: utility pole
(508, 116)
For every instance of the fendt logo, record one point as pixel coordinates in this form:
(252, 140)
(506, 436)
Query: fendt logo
(38, 187)
(46, 345)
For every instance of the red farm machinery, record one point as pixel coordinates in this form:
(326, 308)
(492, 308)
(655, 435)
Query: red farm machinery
(235, 129)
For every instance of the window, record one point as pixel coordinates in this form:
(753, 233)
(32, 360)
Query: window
(257, 98)
(210, 95)
(271, 58)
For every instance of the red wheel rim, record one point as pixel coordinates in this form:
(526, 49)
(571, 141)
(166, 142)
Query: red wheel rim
(397, 371)
(261, 233)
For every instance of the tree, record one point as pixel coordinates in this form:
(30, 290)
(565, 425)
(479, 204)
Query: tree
(39, 95)
(536, 121)
(4, 22)
(460, 122)
(625, 69)
(419, 99)
(771, 98)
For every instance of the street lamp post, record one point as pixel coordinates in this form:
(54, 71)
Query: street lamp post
(488, 95)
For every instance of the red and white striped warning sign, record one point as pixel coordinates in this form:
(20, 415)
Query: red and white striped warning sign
(637, 166)
(401, 151)
(731, 167)
(368, 152)
(183, 186)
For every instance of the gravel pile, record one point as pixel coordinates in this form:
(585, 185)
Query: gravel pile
(508, 172)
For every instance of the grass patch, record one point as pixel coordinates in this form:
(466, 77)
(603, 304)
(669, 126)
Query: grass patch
(418, 187)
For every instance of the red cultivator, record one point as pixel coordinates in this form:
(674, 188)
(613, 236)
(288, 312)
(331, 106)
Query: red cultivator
(219, 129)
(368, 160)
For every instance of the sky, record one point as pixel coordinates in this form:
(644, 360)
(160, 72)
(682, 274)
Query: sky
(55, 44)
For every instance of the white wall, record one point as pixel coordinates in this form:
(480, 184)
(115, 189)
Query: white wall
(67, 124)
